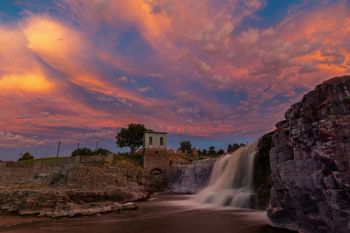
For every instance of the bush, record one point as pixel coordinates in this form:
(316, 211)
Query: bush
(101, 151)
(26, 156)
(83, 152)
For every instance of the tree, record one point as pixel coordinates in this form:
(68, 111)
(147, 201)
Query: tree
(186, 146)
(211, 151)
(82, 152)
(131, 137)
(26, 156)
(220, 152)
(232, 148)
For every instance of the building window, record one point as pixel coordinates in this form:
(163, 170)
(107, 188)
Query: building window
(161, 141)
(150, 141)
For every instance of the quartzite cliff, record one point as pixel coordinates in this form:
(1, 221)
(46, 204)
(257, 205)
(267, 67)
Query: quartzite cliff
(310, 162)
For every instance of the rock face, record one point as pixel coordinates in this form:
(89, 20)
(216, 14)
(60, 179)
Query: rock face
(310, 162)
(188, 179)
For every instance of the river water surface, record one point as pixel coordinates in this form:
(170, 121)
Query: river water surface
(163, 214)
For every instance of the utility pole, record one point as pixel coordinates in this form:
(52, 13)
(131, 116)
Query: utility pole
(78, 149)
(58, 148)
(96, 145)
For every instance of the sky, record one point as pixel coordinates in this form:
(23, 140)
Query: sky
(210, 71)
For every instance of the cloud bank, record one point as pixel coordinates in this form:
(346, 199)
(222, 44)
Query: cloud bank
(78, 70)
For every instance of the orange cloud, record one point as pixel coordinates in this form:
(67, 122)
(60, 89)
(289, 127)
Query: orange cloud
(26, 82)
(50, 38)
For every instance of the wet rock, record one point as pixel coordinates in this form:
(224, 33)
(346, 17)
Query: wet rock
(65, 203)
(262, 173)
(129, 206)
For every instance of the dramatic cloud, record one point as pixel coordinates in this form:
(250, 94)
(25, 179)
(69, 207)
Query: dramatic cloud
(77, 70)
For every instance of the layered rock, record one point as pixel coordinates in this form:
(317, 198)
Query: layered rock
(85, 189)
(64, 203)
(310, 162)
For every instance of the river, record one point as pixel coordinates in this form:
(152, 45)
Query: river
(163, 214)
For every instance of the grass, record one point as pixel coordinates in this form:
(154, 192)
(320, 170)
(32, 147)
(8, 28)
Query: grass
(47, 160)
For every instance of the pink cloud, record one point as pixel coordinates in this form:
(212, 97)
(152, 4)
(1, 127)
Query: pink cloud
(201, 75)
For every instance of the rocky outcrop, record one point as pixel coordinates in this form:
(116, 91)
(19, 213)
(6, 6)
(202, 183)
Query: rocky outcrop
(310, 162)
(67, 203)
(189, 178)
(86, 189)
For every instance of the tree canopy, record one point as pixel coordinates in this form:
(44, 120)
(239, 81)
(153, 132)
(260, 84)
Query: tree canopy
(186, 146)
(234, 147)
(212, 151)
(131, 137)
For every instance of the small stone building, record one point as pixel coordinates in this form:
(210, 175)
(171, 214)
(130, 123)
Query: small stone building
(155, 157)
(155, 143)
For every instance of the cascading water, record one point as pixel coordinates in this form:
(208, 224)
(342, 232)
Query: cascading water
(231, 181)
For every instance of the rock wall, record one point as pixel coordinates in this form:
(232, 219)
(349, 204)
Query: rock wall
(151, 162)
(310, 162)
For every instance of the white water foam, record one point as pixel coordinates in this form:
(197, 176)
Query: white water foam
(231, 181)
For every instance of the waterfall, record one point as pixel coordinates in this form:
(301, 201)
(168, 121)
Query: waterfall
(231, 181)
(189, 178)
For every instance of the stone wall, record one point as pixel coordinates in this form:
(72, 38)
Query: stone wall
(47, 171)
(310, 162)
(151, 162)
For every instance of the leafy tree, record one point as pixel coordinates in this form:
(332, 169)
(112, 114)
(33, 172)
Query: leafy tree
(83, 152)
(211, 151)
(186, 146)
(220, 152)
(234, 147)
(204, 151)
(131, 137)
(26, 156)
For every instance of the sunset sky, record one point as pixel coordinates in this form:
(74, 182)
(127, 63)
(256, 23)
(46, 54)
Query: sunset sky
(212, 71)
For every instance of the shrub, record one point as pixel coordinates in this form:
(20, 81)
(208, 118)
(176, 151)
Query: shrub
(83, 152)
(26, 156)
(101, 151)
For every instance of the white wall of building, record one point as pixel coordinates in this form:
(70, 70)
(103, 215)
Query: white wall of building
(156, 139)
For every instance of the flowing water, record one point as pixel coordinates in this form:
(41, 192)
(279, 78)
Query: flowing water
(214, 209)
(231, 181)
(164, 214)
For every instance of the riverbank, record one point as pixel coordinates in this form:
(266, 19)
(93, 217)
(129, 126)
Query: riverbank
(164, 213)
